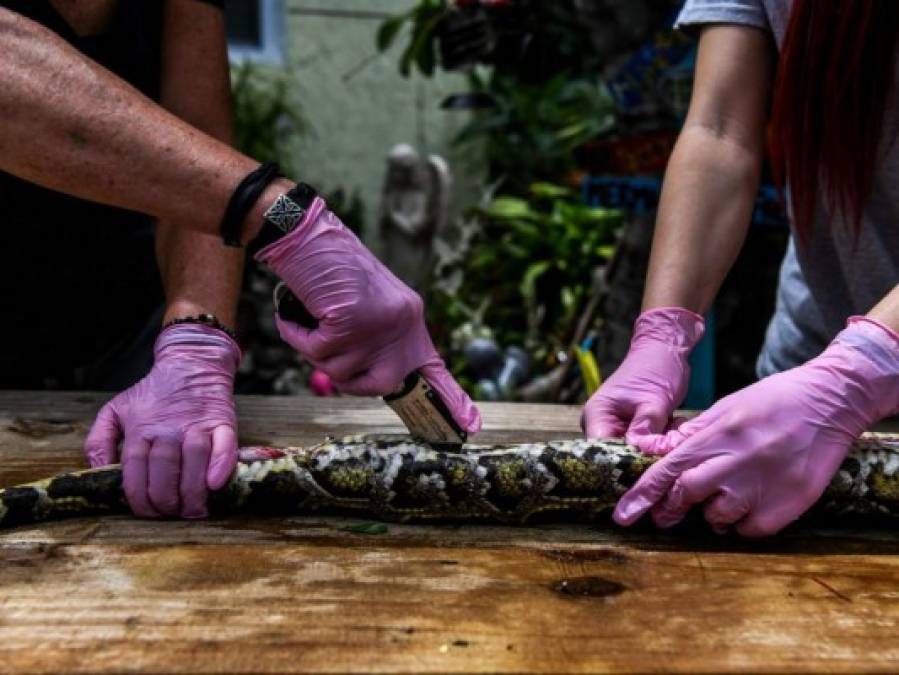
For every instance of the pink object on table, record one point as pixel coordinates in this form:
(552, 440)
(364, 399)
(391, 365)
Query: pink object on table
(371, 331)
(762, 456)
(638, 399)
(321, 384)
(177, 426)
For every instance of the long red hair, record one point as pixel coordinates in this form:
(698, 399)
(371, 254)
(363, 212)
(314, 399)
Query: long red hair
(833, 84)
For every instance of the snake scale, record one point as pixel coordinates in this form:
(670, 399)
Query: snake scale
(398, 479)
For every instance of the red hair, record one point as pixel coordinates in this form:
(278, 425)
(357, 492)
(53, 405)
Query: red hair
(833, 84)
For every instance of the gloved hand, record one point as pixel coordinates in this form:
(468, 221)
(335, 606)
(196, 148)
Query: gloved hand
(177, 425)
(371, 331)
(764, 455)
(650, 383)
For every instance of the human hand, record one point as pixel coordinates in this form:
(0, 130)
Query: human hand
(371, 331)
(177, 425)
(638, 399)
(761, 457)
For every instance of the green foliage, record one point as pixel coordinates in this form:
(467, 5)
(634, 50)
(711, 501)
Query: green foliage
(528, 265)
(520, 268)
(543, 110)
(421, 52)
(366, 528)
(263, 115)
(533, 129)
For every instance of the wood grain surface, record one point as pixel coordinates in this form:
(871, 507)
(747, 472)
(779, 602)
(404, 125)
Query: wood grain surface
(311, 595)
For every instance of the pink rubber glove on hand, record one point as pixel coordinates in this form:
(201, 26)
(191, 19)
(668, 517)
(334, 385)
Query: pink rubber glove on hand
(650, 383)
(371, 331)
(762, 456)
(177, 425)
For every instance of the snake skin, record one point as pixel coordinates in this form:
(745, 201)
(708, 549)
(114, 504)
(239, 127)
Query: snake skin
(396, 478)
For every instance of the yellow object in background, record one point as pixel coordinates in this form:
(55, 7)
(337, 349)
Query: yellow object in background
(589, 370)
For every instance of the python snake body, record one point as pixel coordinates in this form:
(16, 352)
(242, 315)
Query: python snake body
(396, 478)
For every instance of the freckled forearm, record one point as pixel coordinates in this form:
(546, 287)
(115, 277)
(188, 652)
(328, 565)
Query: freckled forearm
(70, 125)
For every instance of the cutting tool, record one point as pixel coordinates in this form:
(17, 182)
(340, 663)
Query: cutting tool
(415, 401)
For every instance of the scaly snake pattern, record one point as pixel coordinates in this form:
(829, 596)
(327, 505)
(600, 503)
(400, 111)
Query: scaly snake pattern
(398, 479)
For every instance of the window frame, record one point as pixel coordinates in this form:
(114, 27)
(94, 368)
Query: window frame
(271, 32)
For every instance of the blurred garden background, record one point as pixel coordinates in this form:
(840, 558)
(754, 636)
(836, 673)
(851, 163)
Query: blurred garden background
(505, 158)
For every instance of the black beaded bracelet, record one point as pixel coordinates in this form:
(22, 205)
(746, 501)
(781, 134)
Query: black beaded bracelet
(242, 200)
(203, 320)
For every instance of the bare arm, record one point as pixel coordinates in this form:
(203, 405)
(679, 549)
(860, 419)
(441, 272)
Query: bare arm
(887, 310)
(71, 125)
(200, 274)
(713, 175)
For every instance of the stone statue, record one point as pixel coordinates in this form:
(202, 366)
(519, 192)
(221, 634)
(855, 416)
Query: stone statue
(414, 208)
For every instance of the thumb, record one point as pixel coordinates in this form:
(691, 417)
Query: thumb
(654, 484)
(459, 403)
(649, 421)
(101, 444)
(223, 459)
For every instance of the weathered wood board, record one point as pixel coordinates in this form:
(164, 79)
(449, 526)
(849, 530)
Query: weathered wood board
(306, 595)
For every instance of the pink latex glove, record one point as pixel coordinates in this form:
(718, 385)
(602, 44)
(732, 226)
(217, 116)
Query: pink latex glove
(761, 457)
(371, 331)
(177, 425)
(640, 396)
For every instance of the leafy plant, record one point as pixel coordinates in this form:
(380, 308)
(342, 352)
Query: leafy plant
(421, 52)
(528, 267)
(263, 114)
(533, 129)
(545, 100)
(532, 39)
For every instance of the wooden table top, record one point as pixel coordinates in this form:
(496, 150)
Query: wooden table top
(305, 594)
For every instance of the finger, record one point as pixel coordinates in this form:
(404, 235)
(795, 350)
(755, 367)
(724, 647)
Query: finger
(195, 455)
(649, 420)
(344, 367)
(766, 520)
(164, 475)
(223, 460)
(725, 510)
(459, 403)
(370, 383)
(654, 444)
(684, 430)
(663, 443)
(135, 455)
(676, 423)
(692, 487)
(654, 485)
(311, 343)
(597, 421)
(103, 439)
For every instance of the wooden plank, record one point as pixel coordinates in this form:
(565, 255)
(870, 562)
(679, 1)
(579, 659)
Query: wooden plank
(398, 603)
(306, 595)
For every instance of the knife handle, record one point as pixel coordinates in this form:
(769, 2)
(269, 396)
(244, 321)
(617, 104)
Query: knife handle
(289, 308)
